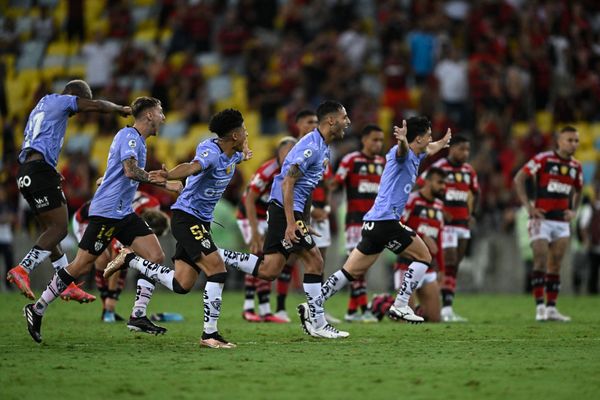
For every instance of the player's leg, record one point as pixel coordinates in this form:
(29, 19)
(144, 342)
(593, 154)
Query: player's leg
(429, 300)
(250, 282)
(283, 285)
(450, 246)
(540, 250)
(557, 251)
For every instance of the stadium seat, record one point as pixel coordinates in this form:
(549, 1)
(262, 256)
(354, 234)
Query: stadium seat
(519, 129)
(100, 149)
(544, 121)
(174, 130)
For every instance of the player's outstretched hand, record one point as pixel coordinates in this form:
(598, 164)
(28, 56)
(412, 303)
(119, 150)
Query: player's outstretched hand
(400, 133)
(447, 137)
(125, 111)
(174, 186)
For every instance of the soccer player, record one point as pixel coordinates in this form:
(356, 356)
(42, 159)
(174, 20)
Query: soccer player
(252, 221)
(424, 214)
(558, 182)
(208, 175)
(288, 229)
(461, 186)
(360, 173)
(382, 228)
(112, 216)
(40, 183)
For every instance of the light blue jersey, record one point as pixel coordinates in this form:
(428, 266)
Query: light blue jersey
(311, 155)
(397, 181)
(115, 195)
(203, 191)
(46, 126)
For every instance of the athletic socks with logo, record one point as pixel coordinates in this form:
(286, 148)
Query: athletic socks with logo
(335, 283)
(153, 271)
(312, 289)
(412, 277)
(213, 294)
(34, 258)
(59, 282)
(143, 295)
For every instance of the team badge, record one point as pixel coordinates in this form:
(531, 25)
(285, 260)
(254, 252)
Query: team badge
(307, 153)
(308, 239)
(573, 173)
(206, 243)
(431, 213)
(228, 169)
(371, 168)
(204, 153)
(98, 246)
(458, 177)
(564, 169)
(132, 143)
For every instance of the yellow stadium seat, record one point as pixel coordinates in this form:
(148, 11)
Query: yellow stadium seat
(520, 129)
(385, 118)
(146, 34)
(100, 150)
(222, 104)
(162, 150)
(544, 121)
(60, 48)
(252, 121)
(211, 70)
(589, 155)
(595, 129)
(414, 97)
(138, 93)
(240, 94)
(174, 116)
(76, 71)
(198, 131)
(183, 149)
(176, 59)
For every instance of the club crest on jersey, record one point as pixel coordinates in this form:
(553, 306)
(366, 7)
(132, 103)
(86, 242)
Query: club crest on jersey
(431, 213)
(307, 153)
(371, 168)
(204, 153)
(206, 243)
(132, 143)
(573, 173)
(458, 177)
(308, 239)
(228, 170)
(97, 246)
(564, 169)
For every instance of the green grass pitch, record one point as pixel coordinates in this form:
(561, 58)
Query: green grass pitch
(500, 354)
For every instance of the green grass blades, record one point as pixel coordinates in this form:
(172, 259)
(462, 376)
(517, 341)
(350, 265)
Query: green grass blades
(502, 353)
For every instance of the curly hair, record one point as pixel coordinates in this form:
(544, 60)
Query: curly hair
(222, 123)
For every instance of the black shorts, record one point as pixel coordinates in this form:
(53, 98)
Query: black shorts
(274, 238)
(193, 238)
(101, 231)
(40, 185)
(379, 235)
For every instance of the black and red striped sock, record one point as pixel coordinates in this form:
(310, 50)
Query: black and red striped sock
(552, 289)
(537, 286)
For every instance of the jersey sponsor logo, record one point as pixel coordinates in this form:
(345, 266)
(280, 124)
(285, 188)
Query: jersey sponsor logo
(456, 195)
(23, 181)
(393, 245)
(132, 143)
(307, 153)
(428, 230)
(559, 187)
(368, 226)
(41, 201)
(554, 170)
(408, 188)
(368, 187)
(362, 170)
(204, 154)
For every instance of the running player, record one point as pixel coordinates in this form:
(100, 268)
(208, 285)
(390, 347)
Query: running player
(252, 221)
(360, 173)
(424, 214)
(558, 182)
(112, 216)
(461, 185)
(208, 175)
(288, 229)
(382, 228)
(40, 183)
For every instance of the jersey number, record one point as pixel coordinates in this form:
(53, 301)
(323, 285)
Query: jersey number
(198, 231)
(37, 127)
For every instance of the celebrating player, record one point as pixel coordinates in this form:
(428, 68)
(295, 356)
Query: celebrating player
(558, 181)
(208, 175)
(360, 173)
(40, 183)
(288, 228)
(112, 216)
(424, 214)
(382, 228)
(461, 185)
(252, 221)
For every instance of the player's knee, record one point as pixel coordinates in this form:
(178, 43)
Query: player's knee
(179, 288)
(269, 275)
(156, 256)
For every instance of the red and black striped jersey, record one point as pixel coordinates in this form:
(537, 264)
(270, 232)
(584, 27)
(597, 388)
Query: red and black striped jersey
(555, 178)
(460, 181)
(426, 217)
(319, 195)
(360, 175)
(260, 183)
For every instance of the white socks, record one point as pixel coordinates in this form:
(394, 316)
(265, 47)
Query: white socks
(312, 289)
(334, 284)
(212, 305)
(62, 262)
(143, 294)
(241, 261)
(34, 258)
(59, 282)
(155, 272)
(412, 277)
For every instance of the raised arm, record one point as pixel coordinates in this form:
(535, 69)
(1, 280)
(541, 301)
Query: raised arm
(103, 106)
(400, 135)
(434, 147)
(289, 181)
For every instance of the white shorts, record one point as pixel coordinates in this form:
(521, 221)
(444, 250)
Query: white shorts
(452, 234)
(322, 228)
(244, 226)
(547, 229)
(352, 237)
(429, 277)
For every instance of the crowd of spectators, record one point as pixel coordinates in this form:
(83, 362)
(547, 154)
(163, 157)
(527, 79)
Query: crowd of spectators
(477, 67)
